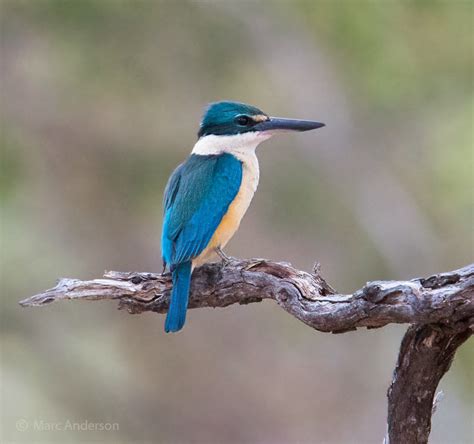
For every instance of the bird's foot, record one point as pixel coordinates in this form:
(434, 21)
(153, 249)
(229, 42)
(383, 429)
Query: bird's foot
(163, 271)
(226, 260)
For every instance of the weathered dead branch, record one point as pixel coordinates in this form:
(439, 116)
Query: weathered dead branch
(440, 309)
(444, 298)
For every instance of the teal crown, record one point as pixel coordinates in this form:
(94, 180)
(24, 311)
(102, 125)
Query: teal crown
(228, 118)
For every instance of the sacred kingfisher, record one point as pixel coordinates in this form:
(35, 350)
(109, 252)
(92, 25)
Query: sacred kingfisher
(207, 195)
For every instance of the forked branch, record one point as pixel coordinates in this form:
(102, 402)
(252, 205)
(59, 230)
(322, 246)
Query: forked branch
(440, 309)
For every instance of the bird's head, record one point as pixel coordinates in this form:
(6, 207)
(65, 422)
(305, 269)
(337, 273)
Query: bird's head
(234, 126)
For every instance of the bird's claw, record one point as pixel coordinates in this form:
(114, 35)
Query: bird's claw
(225, 260)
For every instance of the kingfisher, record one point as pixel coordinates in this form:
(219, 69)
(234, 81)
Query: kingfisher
(208, 194)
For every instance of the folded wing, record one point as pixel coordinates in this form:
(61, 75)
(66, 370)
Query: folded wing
(196, 199)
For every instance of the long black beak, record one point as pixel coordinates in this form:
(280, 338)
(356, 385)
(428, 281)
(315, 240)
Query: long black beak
(279, 124)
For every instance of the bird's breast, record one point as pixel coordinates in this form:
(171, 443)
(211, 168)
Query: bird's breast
(231, 220)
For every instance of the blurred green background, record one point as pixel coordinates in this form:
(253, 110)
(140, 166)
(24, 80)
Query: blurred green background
(101, 100)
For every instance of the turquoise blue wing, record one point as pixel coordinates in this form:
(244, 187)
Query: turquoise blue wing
(196, 199)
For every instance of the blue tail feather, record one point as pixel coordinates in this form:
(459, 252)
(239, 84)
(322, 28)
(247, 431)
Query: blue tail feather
(179, 297)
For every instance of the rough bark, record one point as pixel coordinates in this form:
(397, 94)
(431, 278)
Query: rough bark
(440, 309)
(443, 298)
(426, 354)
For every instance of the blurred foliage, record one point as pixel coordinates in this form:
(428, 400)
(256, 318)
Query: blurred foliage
(398, 53)
(10, 167)
(101, 99)
(451, 173)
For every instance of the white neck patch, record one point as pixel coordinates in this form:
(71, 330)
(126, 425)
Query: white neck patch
(238, 144)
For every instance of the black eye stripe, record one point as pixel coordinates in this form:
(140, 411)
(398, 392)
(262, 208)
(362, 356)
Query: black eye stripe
(244, 120)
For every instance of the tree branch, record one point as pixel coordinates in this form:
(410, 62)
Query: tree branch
(441, 307)
(443, 298)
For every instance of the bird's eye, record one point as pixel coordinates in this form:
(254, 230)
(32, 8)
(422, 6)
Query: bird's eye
(243, 120)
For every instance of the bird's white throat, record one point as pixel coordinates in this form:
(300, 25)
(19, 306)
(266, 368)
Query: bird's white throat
(240, 145)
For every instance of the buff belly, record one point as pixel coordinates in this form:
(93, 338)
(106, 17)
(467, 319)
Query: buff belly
(231, 220)
(226, 229)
